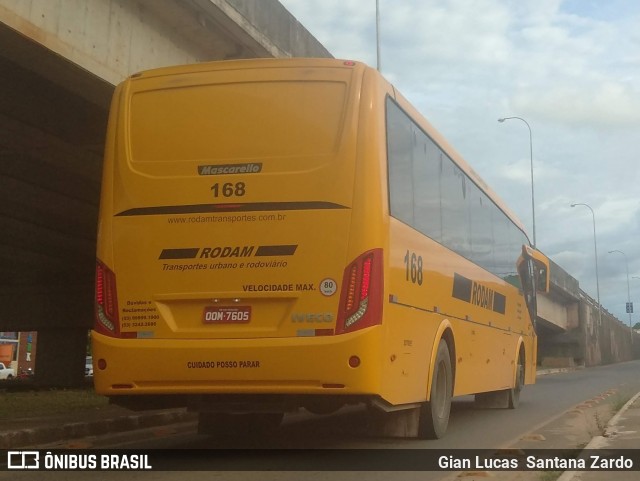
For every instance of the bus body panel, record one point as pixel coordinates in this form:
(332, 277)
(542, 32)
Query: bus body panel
(485, 341)
(182, 236)
(272, 270)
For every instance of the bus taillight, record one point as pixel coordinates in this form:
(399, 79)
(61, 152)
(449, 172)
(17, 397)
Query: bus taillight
(361, 297)
(106, 309)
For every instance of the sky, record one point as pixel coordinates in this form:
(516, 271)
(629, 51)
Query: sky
(570, 68)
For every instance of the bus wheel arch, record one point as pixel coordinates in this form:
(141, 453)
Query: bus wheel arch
(444, 333)
(447, 335)
(434, 413)
(519, 376)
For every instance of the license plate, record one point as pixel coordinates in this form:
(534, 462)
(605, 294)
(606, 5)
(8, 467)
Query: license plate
(226, 314)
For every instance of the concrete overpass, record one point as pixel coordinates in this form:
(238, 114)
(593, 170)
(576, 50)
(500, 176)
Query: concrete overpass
(59, 63)
(573, 332)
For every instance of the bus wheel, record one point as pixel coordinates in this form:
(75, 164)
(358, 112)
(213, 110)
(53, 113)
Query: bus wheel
(434, 414)
(514, 392)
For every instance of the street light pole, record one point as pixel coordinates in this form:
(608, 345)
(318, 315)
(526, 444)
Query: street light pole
(634, 277)
(595, 247)
(626, 260)
(378, 66)
(533, 203)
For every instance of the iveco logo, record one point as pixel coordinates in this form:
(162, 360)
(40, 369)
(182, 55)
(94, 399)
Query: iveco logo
(312, 317)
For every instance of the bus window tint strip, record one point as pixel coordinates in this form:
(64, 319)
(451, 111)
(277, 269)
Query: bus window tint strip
(283, 250)
(217, 208)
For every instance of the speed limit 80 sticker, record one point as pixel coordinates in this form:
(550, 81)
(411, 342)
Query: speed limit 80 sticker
(328, 287)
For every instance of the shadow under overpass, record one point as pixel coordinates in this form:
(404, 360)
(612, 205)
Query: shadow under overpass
(51, 143)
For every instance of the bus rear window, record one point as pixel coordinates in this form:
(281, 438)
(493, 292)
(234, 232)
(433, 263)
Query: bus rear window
(237, 121)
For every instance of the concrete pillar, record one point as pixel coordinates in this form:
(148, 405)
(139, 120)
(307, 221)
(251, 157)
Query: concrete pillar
(589, 334)
(61, 357)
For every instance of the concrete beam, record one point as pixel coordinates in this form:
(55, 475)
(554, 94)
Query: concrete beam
(36, 57)
(563, 284)
(272, 26)
(552, 312)
(108, 40)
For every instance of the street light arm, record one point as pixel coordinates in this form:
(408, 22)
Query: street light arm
(587, 206)
(519, 118)
(533, 202)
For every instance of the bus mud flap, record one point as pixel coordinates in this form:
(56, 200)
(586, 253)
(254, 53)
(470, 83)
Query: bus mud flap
(395, 424)
(492, 400)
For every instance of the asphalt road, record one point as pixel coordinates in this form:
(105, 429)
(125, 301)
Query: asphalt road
(469, 427)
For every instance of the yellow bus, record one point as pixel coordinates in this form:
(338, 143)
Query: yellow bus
(279, 234)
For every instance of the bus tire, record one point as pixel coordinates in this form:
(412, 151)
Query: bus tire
(514, 392)
(434, 414)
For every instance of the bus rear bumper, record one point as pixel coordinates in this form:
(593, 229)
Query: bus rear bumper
(275, 366)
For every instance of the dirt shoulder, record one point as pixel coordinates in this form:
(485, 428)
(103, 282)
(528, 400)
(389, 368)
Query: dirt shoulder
(572, 430)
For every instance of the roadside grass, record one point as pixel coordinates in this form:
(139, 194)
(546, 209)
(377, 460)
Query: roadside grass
(618, 402)
(550, 475)
(27, 404)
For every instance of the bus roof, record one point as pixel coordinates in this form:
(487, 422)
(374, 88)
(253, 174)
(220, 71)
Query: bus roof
(249, 64)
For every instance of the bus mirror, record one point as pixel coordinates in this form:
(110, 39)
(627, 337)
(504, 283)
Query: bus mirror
(542, 278)
(541, 267)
